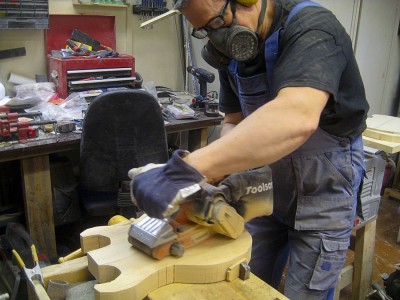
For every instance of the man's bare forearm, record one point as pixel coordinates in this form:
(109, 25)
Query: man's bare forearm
(270, 133)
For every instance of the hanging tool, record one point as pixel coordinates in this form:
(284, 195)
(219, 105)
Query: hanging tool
(156, 9)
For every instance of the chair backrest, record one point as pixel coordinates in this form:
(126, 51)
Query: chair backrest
(122, 130)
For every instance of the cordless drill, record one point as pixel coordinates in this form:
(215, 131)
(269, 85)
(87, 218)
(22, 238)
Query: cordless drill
(203, 76)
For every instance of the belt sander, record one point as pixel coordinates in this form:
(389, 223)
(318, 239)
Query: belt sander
(222, 209)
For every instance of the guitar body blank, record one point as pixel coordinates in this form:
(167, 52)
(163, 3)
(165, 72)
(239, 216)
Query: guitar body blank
(126, 273)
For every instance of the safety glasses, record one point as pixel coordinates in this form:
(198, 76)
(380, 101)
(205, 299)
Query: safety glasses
(214, 23)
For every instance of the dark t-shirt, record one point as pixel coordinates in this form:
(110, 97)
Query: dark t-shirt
(314, 51)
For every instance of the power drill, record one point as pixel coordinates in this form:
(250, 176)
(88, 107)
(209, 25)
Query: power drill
(203, 76)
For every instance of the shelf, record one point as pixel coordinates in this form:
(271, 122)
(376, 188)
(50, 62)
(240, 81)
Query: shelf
(100, 3)
(24, 14)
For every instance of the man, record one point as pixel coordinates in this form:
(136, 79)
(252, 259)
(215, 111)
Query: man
(293, 99)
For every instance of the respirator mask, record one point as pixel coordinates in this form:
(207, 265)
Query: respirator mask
(232, 43)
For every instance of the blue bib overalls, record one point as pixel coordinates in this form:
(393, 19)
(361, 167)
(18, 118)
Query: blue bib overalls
(315, 197)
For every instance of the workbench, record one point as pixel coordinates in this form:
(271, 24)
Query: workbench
(390, 148)
(359, 272)
(208, 270)
(383, 133)
(35, 173)
(253, 288)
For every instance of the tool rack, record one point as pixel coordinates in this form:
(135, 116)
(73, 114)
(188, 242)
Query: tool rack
(24, 14)
(149, 8)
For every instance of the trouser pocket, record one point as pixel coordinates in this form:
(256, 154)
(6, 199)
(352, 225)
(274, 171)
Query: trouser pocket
(329, 264)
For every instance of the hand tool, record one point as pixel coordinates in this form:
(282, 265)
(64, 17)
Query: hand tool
(15, 115)
(20, 130)
(6, 112)
(378, 293)
(13, 129)
(32, 123)
(24, 251)
(204, 77)
(80, 49)
(84, 38)
(73, 46)
(34, 275)
(223, 210)
(65, 126)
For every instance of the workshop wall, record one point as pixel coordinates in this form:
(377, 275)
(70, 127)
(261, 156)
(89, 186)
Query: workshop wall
(377, 51)
(372, 25)
(158, 51)
(374, 29)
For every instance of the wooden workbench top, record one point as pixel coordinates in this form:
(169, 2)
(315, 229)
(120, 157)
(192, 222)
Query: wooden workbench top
(253, 288)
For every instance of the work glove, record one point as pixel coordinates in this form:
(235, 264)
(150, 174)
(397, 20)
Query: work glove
(213, 210)
(158, 189)
(250, 192)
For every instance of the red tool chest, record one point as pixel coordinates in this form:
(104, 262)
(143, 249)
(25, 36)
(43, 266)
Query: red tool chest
(86, 73)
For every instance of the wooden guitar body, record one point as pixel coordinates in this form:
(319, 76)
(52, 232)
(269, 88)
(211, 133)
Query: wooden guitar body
(124, 272)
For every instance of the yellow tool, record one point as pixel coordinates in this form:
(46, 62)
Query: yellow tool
(34, 275)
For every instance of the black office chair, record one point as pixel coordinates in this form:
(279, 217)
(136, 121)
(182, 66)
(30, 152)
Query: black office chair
(122, 130)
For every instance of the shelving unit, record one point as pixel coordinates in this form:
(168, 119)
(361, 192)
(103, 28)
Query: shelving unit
(114, 3)
(24, 14)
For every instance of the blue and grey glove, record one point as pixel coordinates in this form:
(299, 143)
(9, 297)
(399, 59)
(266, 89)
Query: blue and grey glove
(250, 192)
(158, 189)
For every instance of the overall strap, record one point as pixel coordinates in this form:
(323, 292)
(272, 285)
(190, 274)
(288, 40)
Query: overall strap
(232, 69)
(299, 7)
(272, 43)
(233, 65)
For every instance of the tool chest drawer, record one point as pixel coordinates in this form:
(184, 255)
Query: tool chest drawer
(81, 80)
(82, 74)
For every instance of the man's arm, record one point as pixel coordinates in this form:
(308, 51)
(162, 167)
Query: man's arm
(273, 131)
